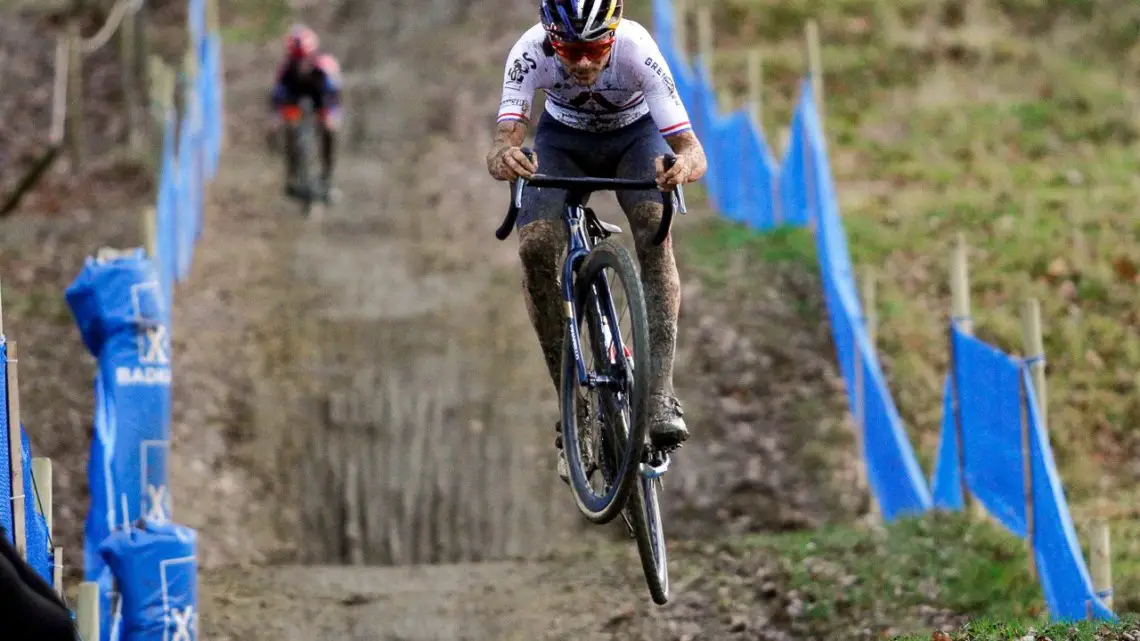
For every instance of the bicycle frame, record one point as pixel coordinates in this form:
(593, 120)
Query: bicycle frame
(574, 214)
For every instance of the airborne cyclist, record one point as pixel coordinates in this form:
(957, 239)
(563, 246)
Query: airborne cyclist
(612, 110)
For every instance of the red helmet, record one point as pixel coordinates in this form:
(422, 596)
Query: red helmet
(301, 42)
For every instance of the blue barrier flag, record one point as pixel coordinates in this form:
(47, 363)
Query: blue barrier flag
(988, 383)
(759, 174)
(1061, 567)
(663, 23)
(40, 554)
(186, 195)
(792, 179)
(896, 478)
(166, 212)
(156, 567)
(730, 135)
(5, 449)
(947, 477)
(123, 320)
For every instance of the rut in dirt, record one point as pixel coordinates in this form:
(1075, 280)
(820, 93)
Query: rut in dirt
(406, 406)
(410, 415)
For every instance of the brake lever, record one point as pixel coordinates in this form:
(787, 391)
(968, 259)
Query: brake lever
(520, 182)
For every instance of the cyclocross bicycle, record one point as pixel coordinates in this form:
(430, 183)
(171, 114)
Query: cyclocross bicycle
(309, 189)
(609, 434)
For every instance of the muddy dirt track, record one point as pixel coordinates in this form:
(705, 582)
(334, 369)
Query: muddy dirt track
(402, 338)
(363, 426)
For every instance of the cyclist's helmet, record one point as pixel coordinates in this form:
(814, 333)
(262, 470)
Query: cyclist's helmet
(300, 42)
(580, 20)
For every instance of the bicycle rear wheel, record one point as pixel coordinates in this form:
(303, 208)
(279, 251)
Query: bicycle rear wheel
(615, 415)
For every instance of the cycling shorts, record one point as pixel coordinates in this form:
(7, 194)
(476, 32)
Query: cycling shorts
(628, 152)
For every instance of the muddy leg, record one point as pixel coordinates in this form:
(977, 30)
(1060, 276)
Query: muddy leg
(540, 248)
(662, 286)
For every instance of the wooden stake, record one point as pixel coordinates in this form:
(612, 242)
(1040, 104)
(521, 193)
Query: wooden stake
(1035, 351)
(815, 63)
(59, 91)
(870, 313)
(756, 87)
(1100, 553)
(213, 17)
(705, 37)
(871, 324)
(15, 453)
(128, 79)
(1027, 477)
(42, 486)
(87, 611)
(960, 285)
(960, 315)
(149, 230)
(74, 124)
(57, 570)
(681, 27)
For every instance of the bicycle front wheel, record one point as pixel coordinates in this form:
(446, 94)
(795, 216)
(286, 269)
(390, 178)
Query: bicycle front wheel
(604, 422)
(648, 531)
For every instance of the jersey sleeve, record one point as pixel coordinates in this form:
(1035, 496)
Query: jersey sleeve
(657, 84)
(519, 81)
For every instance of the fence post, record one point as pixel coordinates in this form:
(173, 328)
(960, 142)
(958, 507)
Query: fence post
(45, 502)
(1035, 354)
(128, 78)
(681, 28)
(57, 570)
(871, 323)
(705, 37)
(960, 315)
(1035, 350)
(1100, 552)
(16, 454)
(87, 611)
(141, 48)
(815, 64)
(756, 87)
(74, 126)
(149, 229)
(42, 484)
(1027, 476)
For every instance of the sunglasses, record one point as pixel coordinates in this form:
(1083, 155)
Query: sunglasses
(578, 50)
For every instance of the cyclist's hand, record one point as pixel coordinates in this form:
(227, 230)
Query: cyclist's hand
(677, 175)
(513, 163)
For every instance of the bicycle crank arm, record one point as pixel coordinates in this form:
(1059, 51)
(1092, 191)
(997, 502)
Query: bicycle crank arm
(628, 523)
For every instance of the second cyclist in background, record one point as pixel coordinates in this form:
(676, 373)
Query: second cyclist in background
(307, 72)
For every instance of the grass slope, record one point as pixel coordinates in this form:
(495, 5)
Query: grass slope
(1009, 121)
(1013, 122)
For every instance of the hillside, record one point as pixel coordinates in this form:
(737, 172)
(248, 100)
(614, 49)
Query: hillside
(1012, 122)
(980, 117)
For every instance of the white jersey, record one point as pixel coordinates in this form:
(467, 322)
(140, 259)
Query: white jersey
(634, 82)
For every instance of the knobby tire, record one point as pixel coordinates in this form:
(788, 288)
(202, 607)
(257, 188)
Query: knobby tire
(611, 255)
(648, 531)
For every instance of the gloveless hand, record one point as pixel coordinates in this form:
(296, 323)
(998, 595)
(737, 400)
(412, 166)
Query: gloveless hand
(513, 163)
(678, 174)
